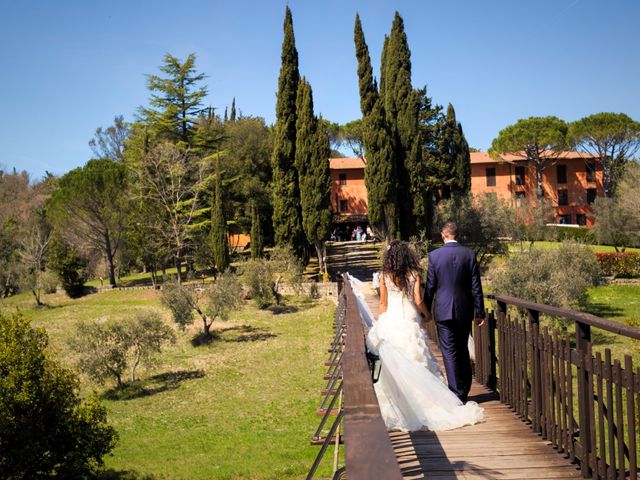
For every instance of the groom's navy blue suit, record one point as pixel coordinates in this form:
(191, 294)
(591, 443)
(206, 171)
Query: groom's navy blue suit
(455, 291)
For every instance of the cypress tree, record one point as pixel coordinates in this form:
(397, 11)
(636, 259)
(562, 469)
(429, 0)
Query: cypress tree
(287, 221)
(380, 172)
(368, 92)
(219, 240)
(256, 233)
(462, 172)
(402, 108)
(232, 116)
(226, 115)
(312, 153)
(456, 156)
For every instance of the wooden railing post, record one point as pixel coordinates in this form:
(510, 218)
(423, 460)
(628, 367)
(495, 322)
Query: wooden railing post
(536, 374)
(492, 374)
(585, 394)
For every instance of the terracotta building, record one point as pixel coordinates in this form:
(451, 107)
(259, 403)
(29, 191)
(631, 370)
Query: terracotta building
(348, 192)
(571, 185)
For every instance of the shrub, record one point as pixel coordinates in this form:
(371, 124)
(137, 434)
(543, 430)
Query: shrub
(70, 267)
(107, 349)
(46, 430)
(482, 222)
(558, 277)
(620, 264)
(180, 301)
(560, 233)
(256, 274)
(264, 277)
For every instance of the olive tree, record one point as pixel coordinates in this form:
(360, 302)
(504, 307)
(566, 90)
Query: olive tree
(211, 303)
(107, 349)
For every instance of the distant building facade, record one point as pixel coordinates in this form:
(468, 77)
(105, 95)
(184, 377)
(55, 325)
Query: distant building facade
(571, 185)
(348, 192)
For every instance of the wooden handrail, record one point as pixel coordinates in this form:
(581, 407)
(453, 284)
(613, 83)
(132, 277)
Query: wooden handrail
(544, 375)
(368, 449)
(580, 317)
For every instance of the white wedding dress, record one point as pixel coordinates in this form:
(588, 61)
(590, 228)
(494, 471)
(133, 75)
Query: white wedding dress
(412, 392)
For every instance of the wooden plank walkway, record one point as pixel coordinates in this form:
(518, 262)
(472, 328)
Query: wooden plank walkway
(502, 447)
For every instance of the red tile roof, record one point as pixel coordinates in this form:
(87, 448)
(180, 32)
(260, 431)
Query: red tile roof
(346, 163)
(483, 157)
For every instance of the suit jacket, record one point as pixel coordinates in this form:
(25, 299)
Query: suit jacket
(453, 280)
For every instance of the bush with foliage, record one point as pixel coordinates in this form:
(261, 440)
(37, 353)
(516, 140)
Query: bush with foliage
(558, 277)
(213, 302)
(483, 223)
(561, 233)
(70, 267)
(619, 264)
(107, 349)
(264, 277)
(46, 429)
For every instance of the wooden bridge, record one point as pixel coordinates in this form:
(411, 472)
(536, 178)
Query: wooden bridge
(553, 409)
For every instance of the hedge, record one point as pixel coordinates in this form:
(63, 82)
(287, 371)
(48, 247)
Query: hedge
(620, 264)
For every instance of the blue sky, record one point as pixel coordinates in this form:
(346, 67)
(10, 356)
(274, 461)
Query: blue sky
(70, 66)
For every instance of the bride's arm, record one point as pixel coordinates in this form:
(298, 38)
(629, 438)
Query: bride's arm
(383, 296)
(419, 300)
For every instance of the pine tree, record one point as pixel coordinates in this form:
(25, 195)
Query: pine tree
(219, 240)
(312, 152)
(256, 232)
(402, 108)
(176, 99)
(232, 116)
(287, 221)
(380, 173)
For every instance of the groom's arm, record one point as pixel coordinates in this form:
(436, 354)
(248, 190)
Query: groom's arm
(432, 285)
(476, 289)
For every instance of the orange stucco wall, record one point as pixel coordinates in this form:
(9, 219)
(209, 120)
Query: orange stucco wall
(353, 191)
(576, 185)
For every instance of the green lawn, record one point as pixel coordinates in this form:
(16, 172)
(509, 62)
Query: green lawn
(620, 303)
(241, 408)
(516, 246)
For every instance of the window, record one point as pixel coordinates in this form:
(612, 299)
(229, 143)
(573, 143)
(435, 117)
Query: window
(520, 175)
(581, 219)
(343, 206)
(561, 173)
(343, 178)
(591, 171)
(591, 195)
(520, 199)
(491, 177)
(563, 197)
(564, 219)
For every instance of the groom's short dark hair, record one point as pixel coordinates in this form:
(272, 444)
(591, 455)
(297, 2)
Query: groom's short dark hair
(450, 229)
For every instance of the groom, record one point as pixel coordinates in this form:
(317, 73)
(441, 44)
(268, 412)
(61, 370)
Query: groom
(453, 283)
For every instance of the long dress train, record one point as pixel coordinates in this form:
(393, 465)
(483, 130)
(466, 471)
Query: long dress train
(411, 389)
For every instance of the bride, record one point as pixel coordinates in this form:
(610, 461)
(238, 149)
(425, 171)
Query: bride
(411, 389)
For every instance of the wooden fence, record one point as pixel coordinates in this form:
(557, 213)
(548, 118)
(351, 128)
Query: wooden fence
(586, 405)
(350, 399)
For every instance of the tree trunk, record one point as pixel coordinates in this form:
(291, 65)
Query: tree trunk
(178, 265)
(539, 190)
(109, 252)
(320, 252)
(135, 364)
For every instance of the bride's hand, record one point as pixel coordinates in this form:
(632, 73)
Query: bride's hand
(426, 318)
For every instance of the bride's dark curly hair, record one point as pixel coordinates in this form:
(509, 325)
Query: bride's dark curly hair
(399, 261)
